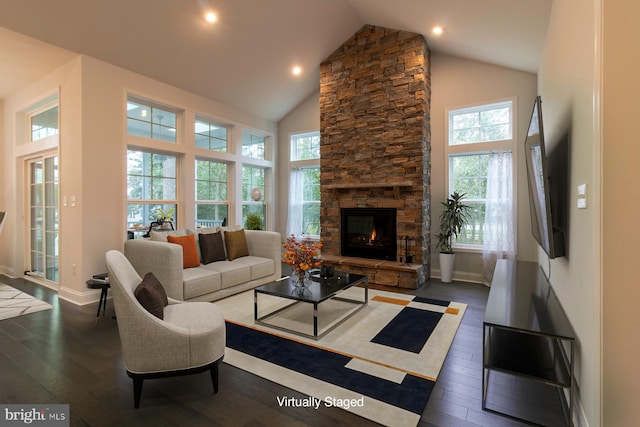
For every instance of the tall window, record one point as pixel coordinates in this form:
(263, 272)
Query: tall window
(152, 183)
(253, 187)
(150, 121)
(304, 185)
(253, 145)
(475, 135)
(212, 204)
(44, 124)
(210, 136)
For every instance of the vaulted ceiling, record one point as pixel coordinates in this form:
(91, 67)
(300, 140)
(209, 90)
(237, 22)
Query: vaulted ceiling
(245, 58)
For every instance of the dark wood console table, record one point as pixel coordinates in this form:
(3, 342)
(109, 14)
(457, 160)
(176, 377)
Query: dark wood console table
(526, 333)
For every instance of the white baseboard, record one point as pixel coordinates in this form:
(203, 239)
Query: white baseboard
(90, 296)
(79, 298)
(4, 269)
(459, 276)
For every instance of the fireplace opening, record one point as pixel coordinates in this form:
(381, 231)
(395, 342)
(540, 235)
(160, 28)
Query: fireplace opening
(369, 233)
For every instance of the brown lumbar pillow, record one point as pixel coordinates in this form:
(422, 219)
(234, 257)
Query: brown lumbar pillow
(211, 247)
(236, 243)
(151, 295)
(189, 249)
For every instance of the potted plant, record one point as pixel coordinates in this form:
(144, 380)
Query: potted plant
(452, 219)
(253, 222)
(162, 216)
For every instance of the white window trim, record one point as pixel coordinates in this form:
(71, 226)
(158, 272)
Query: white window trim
(179, 182)
(483, 148)
(180, 113)
(301, 164)
(185, 150)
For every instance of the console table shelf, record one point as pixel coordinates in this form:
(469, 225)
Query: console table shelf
(526, 332)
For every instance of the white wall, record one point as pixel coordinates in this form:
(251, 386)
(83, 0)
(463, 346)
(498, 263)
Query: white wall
(93, 163)
(568, 83)
(12, 256)
(620, 208)
(304, 118)
(458, 82)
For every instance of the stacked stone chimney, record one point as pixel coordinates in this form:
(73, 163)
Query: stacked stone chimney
(375, 140)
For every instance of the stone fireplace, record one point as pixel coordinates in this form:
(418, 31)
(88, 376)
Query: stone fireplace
(375, 148)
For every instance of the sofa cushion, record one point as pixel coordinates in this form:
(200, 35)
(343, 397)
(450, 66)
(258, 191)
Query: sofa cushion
(207, 230)
(232, 273)
(200, 281)
(197, 317)
(260, 267)
(161, 236)
(151, 295)
(211, 247)
(189, 250)
(236, 242)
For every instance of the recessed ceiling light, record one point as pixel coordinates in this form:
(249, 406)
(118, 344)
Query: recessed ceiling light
(210, 17)
(296, 70)
(437, 30)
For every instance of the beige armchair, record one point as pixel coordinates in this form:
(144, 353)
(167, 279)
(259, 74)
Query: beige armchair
(190, 338)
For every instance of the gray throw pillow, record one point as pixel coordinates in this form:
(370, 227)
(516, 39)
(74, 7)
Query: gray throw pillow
(212, 247)
(151, 295)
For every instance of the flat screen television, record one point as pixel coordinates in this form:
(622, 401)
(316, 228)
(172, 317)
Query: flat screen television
(544, 229)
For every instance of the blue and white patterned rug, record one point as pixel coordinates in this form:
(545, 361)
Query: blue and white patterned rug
(380, 364)
(15, 303)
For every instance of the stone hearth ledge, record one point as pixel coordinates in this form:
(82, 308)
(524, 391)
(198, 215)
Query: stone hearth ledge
(389, 273)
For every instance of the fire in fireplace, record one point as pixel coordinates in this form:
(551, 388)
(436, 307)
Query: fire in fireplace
(369, 233)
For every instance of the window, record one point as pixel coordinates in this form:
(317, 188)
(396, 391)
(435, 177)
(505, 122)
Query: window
(305, 146)
(212, 205)
(484, 123)
(468, 175)
(150, 121)
(253, 186)
(304, 185)
(44, 178)
(475, 135)
(210, 136)
(252, 145)
(44, 124)
(151, 184)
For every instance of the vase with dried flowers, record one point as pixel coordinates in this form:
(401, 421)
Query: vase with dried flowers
(302, 255)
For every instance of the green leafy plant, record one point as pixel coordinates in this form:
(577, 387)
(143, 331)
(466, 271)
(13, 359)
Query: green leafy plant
(454, 217)
(253, 222)
(162, 215)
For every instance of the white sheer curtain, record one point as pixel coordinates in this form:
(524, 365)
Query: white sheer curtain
(294, 218)
(499, 235)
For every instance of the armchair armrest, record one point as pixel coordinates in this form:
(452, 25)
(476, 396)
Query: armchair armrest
(164, 260)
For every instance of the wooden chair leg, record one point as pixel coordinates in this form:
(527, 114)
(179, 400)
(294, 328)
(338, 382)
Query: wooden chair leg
(137, 391)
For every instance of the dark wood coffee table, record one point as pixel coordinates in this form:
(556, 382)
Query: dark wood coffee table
(319, 291)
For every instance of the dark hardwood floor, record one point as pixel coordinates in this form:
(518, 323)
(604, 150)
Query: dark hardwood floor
(63, 356)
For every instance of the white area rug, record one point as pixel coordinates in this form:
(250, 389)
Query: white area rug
(384, 364)
(15, 303)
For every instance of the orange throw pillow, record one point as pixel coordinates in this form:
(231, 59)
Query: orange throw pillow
(189, 250)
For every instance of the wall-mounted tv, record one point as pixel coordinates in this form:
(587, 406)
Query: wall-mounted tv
(544, 229)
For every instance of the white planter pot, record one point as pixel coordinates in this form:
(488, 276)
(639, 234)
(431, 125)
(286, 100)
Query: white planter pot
(446, 267)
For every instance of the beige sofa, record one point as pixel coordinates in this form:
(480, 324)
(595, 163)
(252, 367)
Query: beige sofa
(213, 281)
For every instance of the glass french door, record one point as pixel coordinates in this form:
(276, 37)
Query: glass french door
(43, 217)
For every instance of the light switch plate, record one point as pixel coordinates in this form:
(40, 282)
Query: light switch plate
(582, 196)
